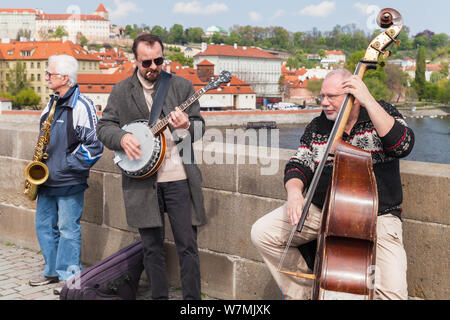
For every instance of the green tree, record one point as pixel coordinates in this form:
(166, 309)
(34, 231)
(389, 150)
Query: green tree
(194, 35)
(17, 79)
(216, 38)
(180, 57)
(60, 32)
(444, 91)
(130, 32)
(176, 34)
(232, 38)
(396, 80)
(419, 81)
(314, 86)
(160, 31)
(444, 69)
(26, 97)
(439, 40)
(435, 77)
(82, 40)
(23, 33)
(431, 91)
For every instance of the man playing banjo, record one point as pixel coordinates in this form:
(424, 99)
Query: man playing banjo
(176, 186)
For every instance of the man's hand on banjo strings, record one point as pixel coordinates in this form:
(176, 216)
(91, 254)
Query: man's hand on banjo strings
(131, 146)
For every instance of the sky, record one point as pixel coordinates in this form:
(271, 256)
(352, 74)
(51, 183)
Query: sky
(293, 15)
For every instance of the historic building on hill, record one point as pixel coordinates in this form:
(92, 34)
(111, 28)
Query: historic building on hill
(260, 69)
(39, 25)
(34, 55)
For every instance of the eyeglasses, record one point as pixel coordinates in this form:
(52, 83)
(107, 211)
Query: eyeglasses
(48, 74)
(330, 97)
(147, 63)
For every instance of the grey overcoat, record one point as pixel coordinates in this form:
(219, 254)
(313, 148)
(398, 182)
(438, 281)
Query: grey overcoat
(127, 103)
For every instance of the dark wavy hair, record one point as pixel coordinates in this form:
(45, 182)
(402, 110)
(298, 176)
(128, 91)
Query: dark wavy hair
(148, 38)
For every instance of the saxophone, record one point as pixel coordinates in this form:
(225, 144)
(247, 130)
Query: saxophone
(36, 172)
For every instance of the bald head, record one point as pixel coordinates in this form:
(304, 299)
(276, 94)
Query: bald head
(342, 73)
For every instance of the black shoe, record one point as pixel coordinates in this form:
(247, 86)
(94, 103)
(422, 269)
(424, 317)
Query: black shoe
(42, 280)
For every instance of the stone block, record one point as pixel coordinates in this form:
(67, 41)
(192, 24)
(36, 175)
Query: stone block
(93, 199)
(114, 210)
(26, 144)
(106, 162)
(217, 162)
(427, 246)
(231, 217)
(253, 281)
(261, 173)
(99, 242)
(8, 142)
(216, 272)
(426, 191)
(227, 277)
(12, 173)
(17, 226)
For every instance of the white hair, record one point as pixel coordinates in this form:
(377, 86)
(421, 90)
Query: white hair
(66, 65)
(343, 73)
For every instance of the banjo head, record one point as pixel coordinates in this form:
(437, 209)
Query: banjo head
(149, 146)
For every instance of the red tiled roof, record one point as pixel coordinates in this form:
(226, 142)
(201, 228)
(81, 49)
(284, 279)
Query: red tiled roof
(101, 8)
(292, 72)
(101, 83)
(18, 10)
(429, 67)
(42, 50)
(433, 67)
(205, 63)
(236, 86)
(334, 52)
(65, 16)
(228, 50)
(111, 56)
(294, 82)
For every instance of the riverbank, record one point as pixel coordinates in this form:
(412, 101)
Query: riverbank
(426, 111)
(238, 118)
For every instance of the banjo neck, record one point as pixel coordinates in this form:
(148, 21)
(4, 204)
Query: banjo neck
(161, 124)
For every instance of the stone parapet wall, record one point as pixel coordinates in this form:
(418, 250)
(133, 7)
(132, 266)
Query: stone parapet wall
(240, 184)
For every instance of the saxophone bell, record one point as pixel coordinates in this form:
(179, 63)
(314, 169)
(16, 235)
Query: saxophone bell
(36, 173)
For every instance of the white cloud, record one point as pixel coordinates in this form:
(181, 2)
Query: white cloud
(362, 7)
(279, 13)
(195, 7)
(323, 9)
(255, 16)
(123, 9)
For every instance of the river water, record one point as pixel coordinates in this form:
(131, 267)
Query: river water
(432, 138)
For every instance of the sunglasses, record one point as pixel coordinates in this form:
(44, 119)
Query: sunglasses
(147, 63)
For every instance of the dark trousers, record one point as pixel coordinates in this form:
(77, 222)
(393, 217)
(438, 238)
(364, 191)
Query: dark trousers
(175, 199)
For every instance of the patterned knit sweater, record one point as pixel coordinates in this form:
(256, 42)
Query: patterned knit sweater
(385, 151)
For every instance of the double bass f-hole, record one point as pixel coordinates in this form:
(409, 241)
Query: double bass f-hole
(345, 256)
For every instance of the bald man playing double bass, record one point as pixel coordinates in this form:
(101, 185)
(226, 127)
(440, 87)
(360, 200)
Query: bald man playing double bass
(374, 126)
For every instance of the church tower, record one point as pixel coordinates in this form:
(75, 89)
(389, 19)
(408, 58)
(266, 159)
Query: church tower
(101, 11)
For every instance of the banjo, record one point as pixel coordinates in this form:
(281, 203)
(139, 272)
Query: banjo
(151, 138)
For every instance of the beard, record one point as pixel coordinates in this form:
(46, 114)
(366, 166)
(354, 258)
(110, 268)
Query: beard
(151, 75)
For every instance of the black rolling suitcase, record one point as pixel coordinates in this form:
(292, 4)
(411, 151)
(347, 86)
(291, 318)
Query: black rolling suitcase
(114, 278)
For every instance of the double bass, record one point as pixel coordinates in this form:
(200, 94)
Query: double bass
(344, 265)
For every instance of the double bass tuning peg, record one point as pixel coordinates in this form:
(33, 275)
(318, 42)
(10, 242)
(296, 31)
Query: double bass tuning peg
(387, 54)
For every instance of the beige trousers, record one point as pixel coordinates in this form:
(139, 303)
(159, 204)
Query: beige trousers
(271, 232)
